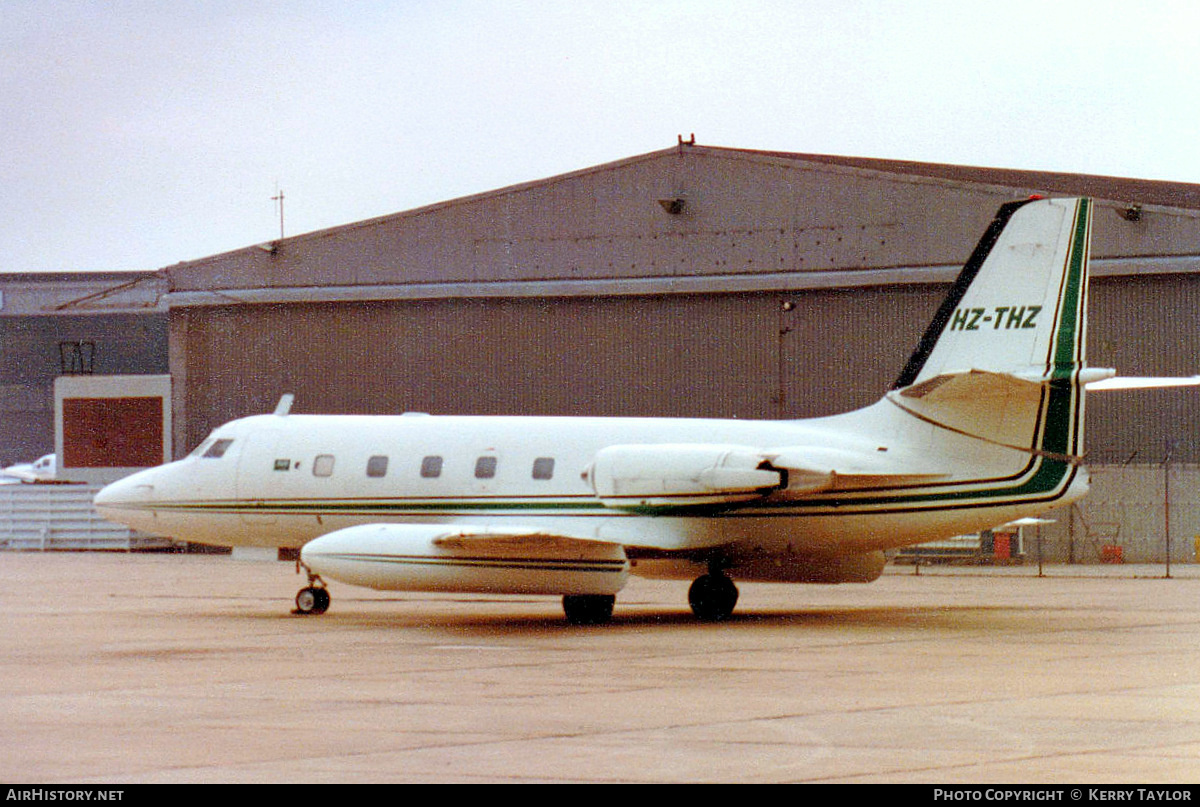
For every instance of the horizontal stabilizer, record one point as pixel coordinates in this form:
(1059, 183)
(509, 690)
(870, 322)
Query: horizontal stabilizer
(1134, 382)
(976, 384)
(999, 408)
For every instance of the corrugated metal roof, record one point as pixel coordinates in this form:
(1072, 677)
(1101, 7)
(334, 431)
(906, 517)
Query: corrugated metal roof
(41, 293)
(1171, 194)
(751, 218)
(1144, 191)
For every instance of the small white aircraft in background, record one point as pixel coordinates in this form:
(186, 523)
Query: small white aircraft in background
(984, 426)
(42, 470)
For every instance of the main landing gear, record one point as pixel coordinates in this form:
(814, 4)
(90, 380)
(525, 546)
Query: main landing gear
(588, 609)
(313, 599)
(713, 596)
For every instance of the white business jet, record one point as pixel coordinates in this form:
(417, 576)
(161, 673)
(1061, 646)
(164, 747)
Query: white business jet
(40, 471)
(984, 426)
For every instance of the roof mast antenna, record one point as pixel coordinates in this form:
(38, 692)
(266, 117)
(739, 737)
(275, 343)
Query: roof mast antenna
(278, 197)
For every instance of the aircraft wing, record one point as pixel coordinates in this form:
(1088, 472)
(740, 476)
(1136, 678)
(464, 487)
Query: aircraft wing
(19, 473)
(504, 540)
(26, 477)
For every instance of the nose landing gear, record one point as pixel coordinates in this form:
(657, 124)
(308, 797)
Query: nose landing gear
(313, 599)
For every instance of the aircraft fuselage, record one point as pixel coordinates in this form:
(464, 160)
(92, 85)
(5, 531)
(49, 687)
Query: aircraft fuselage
(286, 480)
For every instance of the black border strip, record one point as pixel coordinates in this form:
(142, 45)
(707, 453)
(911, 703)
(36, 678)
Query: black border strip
(984, 248)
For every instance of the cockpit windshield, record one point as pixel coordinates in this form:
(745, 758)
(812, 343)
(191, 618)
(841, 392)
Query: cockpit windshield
(212, 449)
(217, 449)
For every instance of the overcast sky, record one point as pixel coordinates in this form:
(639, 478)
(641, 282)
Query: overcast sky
(138, 134)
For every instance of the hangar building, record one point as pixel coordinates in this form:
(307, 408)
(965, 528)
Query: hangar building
(70, 323)
(691, 281)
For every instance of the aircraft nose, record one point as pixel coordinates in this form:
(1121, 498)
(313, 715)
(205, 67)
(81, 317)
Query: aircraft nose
(129, 490)
(130, 501)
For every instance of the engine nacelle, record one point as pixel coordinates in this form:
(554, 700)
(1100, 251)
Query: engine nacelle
(433, 557)
(655, 475)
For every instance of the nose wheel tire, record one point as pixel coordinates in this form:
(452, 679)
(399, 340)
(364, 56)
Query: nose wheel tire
(712, 597)
(312, 600)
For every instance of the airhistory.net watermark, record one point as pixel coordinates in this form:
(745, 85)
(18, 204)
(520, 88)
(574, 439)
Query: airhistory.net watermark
(61, 794)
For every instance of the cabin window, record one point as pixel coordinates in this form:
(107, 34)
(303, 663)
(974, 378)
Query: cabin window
(431, 467)
(323, 465)
(543, 468)
(217, 449)
(485, 467)
(377, 466)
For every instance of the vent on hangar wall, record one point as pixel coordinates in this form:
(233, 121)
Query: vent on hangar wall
(77, 358)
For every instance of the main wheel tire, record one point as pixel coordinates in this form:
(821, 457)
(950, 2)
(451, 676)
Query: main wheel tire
(712, 597)
(588, 609)
(312, 600)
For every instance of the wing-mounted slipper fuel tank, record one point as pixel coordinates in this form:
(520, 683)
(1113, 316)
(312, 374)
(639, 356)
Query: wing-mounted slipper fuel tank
(431, 557)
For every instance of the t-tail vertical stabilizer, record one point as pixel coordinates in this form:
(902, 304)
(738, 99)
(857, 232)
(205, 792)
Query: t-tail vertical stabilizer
(1004, 361)
(1019, 305)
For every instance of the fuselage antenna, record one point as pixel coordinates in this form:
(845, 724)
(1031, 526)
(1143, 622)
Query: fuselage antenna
(285, 404)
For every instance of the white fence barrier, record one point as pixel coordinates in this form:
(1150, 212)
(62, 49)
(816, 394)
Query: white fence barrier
(61, 517)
